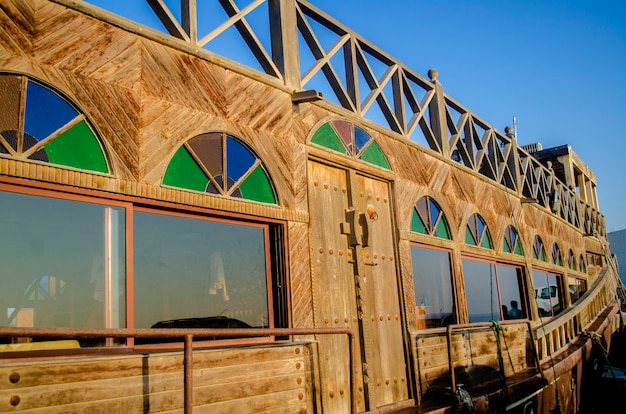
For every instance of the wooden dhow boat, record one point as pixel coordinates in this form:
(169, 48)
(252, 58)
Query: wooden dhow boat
(313, 229)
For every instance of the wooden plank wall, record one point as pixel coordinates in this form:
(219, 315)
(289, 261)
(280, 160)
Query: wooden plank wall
(145, 99)
(473, 351)
(275, 379)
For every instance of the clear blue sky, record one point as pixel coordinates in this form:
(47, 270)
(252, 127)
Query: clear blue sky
(559, 66)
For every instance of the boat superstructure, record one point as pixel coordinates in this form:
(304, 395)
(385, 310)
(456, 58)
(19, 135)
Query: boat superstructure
(322, 230)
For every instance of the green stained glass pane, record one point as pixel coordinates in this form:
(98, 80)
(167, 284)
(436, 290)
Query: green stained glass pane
(327, 137)
(544, 258)
(77, 147)
(374, 155)
(518, 249)
(486, 242)
(184, 172)
(442, 230)
(505, 246)
(257, 186)
(469, 239)
(417, 225)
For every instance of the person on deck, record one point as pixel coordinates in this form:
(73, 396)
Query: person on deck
(514, 312)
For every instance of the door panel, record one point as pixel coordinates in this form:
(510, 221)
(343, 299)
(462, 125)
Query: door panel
(355, 285)
(333, 284)
(377, 267)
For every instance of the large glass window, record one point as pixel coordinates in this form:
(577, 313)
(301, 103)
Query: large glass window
(191, 272)
(63, 263)
(433, 287)
(493, 291)
(548, 292)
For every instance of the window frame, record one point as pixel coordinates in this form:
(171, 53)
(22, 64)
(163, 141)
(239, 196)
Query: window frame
(276, 259)
(453, 283)
(522, 284)
(560, 285)
(582, 287)
(207, 218)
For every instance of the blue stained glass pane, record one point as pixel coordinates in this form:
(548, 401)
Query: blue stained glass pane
(434, 213)
(513, 237)
(238, 159)
(360, 138)
(45, 111)
(481, 226)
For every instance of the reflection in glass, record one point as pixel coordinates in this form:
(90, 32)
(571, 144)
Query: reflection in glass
(481, 290)
(199, 273)
(433, 289)
(494, 291)
(548, 293)
(511, 286)
(576, 288)
(63, 263)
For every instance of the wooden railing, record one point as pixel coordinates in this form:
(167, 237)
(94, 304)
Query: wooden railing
(472, 356)
(187, 336)
(526, 344)
(554, 335)
(363, 80)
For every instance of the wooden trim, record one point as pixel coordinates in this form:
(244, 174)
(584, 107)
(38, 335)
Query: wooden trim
(70, 181)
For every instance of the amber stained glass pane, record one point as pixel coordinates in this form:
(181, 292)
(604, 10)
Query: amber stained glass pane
(10, 91)
(209, 150)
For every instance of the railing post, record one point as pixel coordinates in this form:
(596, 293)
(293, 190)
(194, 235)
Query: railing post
(437, 112)
(450, 360)
(284, 35)
(188, 367)
(513, 160)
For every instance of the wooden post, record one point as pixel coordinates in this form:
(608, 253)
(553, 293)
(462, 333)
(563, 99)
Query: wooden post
(284, 35)
(188, 373)
(437, 111)
(513, 160)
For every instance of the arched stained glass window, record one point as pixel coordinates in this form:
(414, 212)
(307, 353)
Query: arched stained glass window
(571, 260)
(348, 139)
(429, 219)
(38, 124)
(539, 251)
(582, 265)
(556, 255)
(220, 164)
(512, 242)
(477, 232)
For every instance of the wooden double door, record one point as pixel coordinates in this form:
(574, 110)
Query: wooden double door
(355, 284)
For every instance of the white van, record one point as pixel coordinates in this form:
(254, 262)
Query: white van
(547, 299)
